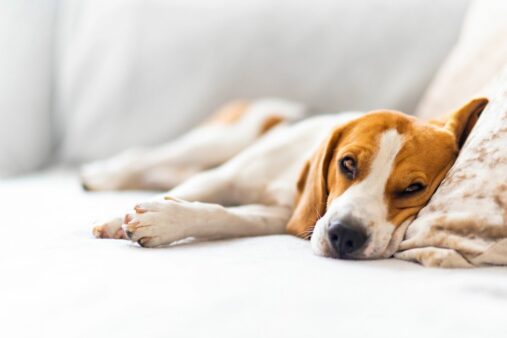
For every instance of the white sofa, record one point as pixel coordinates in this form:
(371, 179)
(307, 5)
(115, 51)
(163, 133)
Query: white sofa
(84, 79)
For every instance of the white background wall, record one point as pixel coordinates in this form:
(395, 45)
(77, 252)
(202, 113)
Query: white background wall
(139, 72)
(26, 49)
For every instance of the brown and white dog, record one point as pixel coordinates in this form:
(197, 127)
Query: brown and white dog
(350, 182)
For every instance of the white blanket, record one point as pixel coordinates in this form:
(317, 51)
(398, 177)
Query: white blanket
(58, 281)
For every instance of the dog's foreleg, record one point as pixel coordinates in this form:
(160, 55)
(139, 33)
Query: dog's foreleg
(166, 221)
(212, 186)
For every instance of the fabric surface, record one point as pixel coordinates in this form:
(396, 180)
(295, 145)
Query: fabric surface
(465, 223)
(26, 50)
(475, 61)
(58, 281)
(139, 72)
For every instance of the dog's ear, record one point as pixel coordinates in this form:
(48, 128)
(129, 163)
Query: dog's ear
(461, 122)
(312, 191)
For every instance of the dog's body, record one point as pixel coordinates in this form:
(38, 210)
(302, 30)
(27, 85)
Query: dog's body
(247, 172)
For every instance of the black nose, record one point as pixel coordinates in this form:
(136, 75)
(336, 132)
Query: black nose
(345, 239)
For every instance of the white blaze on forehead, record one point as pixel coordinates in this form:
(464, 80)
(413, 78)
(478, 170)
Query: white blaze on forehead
(364, 201)
(382, 165)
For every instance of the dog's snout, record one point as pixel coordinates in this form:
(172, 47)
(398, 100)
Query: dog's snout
(345, 239)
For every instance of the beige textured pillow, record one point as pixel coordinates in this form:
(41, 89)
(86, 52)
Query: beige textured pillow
(478, 57)
(465, 222)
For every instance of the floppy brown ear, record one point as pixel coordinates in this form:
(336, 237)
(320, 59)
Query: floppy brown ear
(461, 122)
(312, 192)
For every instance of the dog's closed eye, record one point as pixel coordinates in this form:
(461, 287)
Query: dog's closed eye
(412, 189)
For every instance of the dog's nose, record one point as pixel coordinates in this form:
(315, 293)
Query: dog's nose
(345, 239)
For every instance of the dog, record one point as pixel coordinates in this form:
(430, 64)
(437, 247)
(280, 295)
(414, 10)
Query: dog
(350, 183)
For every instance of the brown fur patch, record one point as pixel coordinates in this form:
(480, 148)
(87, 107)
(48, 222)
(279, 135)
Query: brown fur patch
(230, 113)
(312, 193)
(269, 123)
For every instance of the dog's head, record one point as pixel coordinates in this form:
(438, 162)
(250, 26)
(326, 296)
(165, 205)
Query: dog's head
(370, 178)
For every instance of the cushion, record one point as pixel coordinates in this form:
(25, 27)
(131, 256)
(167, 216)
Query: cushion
(140, 72)
(465, 222)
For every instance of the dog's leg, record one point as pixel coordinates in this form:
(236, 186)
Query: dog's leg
(166, 221)
(227, 133)
(196, 209)
(212, 186)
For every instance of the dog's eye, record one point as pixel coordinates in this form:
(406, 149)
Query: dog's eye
(348, 167)
(413, 188)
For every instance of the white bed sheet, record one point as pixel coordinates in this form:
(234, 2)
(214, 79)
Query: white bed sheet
(58, 281)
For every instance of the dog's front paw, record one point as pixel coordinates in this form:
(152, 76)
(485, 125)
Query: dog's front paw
(157, 223)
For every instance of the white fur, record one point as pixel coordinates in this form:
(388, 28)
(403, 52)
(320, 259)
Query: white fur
(364, 201)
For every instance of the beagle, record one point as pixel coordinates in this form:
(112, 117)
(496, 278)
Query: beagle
(349, 182)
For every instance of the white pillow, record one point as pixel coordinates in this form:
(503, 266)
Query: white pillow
(26, 44)
(139, 72)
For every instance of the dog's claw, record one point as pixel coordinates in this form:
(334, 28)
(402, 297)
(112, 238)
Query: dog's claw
(142, 241)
